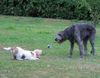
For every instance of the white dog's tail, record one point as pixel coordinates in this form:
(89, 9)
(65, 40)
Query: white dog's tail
(8, 49)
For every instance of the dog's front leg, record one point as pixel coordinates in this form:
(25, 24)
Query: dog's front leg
(92, 41)
(71, 49)
(34, 58)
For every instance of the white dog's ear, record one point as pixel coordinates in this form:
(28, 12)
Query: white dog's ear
(38, 51)
(8, 49)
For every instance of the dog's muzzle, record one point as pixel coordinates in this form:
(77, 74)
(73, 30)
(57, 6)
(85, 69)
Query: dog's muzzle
(56, 39)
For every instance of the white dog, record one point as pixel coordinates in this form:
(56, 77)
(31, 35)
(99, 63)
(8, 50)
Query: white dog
(22, 54)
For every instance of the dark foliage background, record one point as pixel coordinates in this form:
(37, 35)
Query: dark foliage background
(67, 9)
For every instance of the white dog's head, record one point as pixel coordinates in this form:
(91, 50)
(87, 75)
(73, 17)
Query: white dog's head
(37, 53)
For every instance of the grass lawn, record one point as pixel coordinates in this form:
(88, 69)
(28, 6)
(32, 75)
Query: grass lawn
(31, 33)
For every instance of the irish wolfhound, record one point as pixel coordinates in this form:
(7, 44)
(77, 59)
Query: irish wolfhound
(79, 33)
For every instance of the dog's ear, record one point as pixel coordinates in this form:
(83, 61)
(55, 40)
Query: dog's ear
(38, 51)
(61, 33)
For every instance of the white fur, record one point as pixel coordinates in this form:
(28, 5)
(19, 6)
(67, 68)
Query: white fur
(19, 52)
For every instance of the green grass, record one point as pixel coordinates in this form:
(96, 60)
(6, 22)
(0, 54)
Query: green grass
(31, 33)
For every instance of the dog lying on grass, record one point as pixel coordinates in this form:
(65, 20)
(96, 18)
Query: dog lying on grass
(79, 33)
(22, 54)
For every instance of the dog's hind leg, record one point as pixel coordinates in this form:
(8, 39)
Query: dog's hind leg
(92, 42)
(18, 58)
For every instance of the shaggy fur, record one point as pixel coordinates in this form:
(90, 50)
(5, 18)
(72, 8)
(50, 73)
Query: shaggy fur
(22, 54)
(79, 33)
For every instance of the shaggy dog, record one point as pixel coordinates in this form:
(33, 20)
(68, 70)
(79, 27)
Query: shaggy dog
(22, 54)
(79, 33)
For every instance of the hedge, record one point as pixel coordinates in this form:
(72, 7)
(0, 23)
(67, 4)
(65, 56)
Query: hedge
(66, 9)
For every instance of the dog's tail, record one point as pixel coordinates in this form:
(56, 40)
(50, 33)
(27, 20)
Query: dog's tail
(8, 48)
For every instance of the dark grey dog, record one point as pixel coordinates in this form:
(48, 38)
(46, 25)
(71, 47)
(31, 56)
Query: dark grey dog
(79, 33)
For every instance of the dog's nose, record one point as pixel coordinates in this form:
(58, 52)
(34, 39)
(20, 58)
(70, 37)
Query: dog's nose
(55, 39)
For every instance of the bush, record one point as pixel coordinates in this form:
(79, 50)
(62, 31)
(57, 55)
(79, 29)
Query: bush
(66, 9)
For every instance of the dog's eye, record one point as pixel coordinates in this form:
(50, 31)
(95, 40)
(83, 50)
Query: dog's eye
(59, 37)
(59, 34)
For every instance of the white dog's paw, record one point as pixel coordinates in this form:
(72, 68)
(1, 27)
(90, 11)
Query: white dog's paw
(34, 59)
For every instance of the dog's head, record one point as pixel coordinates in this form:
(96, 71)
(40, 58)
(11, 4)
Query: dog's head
(37, 53)
(60, 37)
